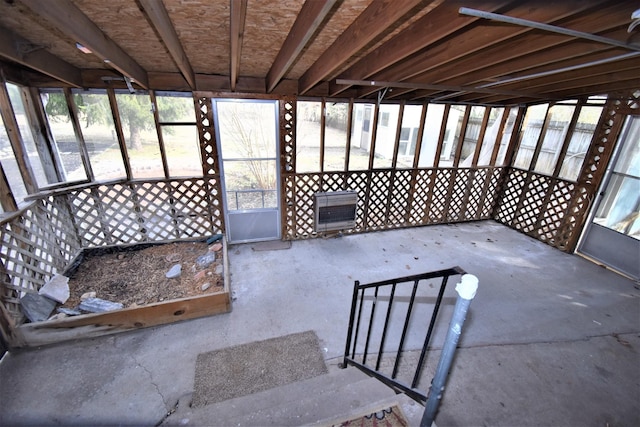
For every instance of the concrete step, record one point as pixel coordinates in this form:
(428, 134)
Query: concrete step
(339, 393)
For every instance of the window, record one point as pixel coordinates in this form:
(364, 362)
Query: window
(177, 117)
(559, 119)
(529, 135)
(430, 135)
(65, 142)
(140, 135)
(99, 132)
(451, 135)
(490, 136)
(335, 135)
(580, 142)
(409, 135)
(471, 135)
(308, 136)
(386, 135)
(360, 137)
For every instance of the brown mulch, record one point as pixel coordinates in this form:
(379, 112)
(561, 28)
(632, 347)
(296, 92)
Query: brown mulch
(136, 276)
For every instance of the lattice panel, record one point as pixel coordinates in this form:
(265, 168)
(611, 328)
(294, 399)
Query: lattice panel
(421, 197)
(510, 196)
(333, 182)
(439, 196)
(456, 199)
(531, 203)
(206, 132)
(491, 192)
(289, 224)
(399, 198)
(391, 199)
(359, 181)
(306, 186)
(123, 223)
(559, 199)
(287, 135)
(88, 218)
(33, 250)
(376, 217)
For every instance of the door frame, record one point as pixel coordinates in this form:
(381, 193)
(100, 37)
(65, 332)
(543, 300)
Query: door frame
(225, 203)
(604, 238)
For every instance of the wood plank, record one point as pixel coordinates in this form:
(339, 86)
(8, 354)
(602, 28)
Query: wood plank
(238, 17)
(371, 23)
(71, 21)
(311, 16)
(39, 59)
(159, 17)
(99, 324)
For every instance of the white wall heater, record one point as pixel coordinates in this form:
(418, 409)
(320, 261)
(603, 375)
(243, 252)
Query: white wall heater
(335, 210)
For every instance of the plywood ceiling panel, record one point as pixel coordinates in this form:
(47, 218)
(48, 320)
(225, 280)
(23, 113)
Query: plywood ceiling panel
(203, 29)
(126, 25)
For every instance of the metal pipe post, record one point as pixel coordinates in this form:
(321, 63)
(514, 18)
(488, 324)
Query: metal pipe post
(466, 292)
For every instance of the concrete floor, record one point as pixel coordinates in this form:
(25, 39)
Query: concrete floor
(551, 338)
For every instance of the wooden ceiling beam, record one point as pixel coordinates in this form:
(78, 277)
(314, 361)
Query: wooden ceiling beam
(160, 20)
(429, 29)
(309, 19)
(20, 50)
(582, 74)
(370, 24)
(476, 39)
(528, 51)
(545, 27)
(599, 88)
(238, 18)
(415, 86)
(71, 21)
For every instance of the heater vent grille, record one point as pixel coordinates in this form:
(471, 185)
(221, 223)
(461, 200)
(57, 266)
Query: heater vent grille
(335, 210)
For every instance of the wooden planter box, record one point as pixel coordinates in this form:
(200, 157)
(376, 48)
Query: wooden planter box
(127, 319)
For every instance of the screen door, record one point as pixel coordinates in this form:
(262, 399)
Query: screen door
(247, 134)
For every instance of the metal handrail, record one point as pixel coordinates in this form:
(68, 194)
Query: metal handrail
(356, 320)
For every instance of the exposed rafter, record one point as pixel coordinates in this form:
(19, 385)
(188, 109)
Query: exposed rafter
(70, 20)
(309, 19)
(161, 21)
(38, 59)
(380, 15)
(238, 17)
(471, 41)
(436, 25)
(378, 84)
(551, 28)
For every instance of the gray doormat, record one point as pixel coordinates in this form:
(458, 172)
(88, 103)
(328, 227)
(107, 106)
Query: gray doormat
(245, 369)
(272, 245)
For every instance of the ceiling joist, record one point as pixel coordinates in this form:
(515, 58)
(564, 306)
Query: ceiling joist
(38, 59)
(416, 86)
(436, 25)
(159, 18)
(70, 20)
(380, 15)
(238, 17)
(311, 16)
(551, 28)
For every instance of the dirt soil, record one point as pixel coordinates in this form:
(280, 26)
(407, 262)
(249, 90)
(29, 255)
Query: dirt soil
(135, 276)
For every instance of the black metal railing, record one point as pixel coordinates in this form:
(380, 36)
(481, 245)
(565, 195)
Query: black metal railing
(385, 326)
